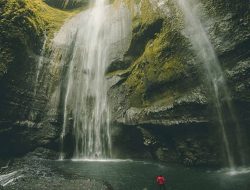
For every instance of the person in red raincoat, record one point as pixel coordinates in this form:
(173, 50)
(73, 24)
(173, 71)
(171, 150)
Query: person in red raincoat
(160, 180)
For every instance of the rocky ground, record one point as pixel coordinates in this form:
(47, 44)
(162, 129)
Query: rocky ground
(33, 172)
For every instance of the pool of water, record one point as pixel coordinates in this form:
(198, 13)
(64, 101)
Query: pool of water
(139, 175)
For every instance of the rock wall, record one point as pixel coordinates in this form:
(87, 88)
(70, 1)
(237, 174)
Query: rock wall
(24, 25)
(161, 89)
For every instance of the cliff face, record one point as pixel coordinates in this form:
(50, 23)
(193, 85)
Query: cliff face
(24, 25)
(161, 90)
(160, 102)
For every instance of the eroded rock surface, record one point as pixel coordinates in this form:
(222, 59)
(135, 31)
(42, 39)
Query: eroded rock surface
(161, 85)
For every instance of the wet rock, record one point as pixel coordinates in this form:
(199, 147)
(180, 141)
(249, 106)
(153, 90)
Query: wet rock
(117, 65)
(128, 142)
(26, 136)
(22, 124)
(176, 113)
(44, 153)
(66, 4)
(142, 34)
(162, 154)
(32, 172)
(64, 184)
(158, 93)
(166, 89)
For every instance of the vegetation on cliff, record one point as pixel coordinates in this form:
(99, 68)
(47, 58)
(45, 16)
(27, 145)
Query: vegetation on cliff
(23, 26)
(66, 4)
(160, 86)
(158, 56)
(163, 82)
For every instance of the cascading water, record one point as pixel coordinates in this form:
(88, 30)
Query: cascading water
(222, 100)
(87, 89)
(84, 47)
(39, 64)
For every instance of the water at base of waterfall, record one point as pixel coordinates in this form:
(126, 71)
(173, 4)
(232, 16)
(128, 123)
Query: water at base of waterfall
(128, 174)
(122, 174)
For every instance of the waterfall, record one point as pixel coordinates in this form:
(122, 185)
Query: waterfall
(221, 95)
(80, 54)
(40, 64)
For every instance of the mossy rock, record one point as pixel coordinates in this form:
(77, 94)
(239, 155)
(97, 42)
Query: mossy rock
(157, 57)
(66, 4)
(23, 26)
(162, 63)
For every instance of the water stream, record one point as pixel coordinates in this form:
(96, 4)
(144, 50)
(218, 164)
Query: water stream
(199, 39)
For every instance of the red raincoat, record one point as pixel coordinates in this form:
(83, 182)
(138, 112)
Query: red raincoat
(160, 180)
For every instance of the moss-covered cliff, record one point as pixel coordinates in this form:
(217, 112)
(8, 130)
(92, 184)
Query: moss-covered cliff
(23, 27)
(161, 88)
(160, 102)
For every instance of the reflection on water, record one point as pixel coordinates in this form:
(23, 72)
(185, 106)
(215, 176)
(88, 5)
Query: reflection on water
(138, 175)
(100, 160)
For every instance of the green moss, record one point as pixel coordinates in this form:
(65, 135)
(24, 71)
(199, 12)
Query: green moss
(159, 65)
(64, 4)
(148, 15)
(23, 24)
(172, 69)
(53, 18)
(122, 73)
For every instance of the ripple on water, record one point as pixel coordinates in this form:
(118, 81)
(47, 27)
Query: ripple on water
(99, 160)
